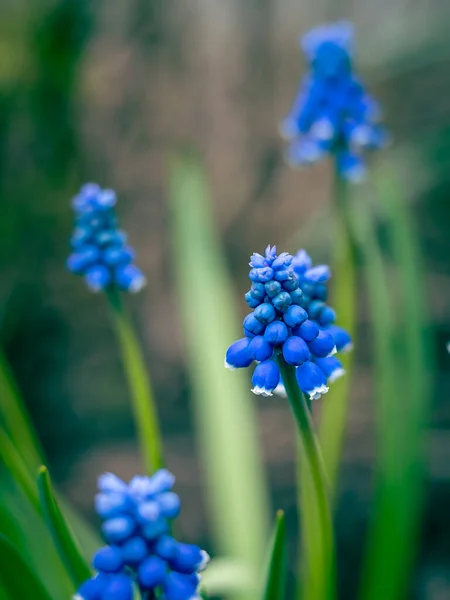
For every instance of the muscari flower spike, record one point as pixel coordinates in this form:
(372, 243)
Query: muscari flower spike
(289, 317)
(140, 551)
(333, 113)
(99, 249)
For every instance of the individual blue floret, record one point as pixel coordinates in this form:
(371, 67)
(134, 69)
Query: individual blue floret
(332, 113)
(331, 367)
(311, 380)
(140, 552)
(99, 249)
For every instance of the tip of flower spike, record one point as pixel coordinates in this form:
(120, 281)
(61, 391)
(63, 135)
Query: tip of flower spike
(317, 392)
(262, 391)
(340, 33)
(318, 274)
(271, 252)
(302, 260)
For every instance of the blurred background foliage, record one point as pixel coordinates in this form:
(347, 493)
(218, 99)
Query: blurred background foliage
(105, 91)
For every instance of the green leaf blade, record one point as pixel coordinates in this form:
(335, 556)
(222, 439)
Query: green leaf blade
(225, 415)
(17, 580)
(60, 530)
(15, 416)
(276, 575)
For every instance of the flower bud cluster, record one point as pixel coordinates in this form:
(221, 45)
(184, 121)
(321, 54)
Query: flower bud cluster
(280, 324)
(140, 551)
(99, 249)
(332, 113)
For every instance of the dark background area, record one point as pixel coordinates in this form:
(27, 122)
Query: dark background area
(105, 91)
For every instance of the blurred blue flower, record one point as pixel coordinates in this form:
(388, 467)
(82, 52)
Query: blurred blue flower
(99, 249)
(140, 551)
(332, 113)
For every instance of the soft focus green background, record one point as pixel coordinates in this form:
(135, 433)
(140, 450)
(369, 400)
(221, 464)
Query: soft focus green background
(106, 91)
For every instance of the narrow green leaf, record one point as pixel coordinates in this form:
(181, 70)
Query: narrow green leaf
(276, 575)
(401, 466)
(16, 577)
(143, 402)
(25, 529)
(23, 465)
(16, 419)
(225, 415)
(16, 465)
(386, 524)
(62, 535)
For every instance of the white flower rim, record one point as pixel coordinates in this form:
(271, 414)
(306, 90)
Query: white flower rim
(138, 284)
(332, 352)
(227, 365)
(262, 391)
(204, 562)
(317, 392)
(339, 372)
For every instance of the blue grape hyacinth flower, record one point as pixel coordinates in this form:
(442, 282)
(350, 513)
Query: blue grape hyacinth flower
(333, 113)
(140, 552)
(313, 280)
(100, 252)
(281, 324)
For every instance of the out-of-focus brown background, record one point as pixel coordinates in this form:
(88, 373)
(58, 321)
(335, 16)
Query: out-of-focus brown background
(105, 91)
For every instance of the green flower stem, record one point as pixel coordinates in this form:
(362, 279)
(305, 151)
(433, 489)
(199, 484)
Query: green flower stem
(143, 403)
(334, 411)
(319, 562)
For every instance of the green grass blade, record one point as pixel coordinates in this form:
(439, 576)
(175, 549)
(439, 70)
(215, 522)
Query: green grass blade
(143, 402)
(276, 576)
(382, 560)
(15, 464)
(23, 463)
(26, 530)
(15, 417)
(334, 410)
(63, 537)
(16, 578)
(19, 471)
(400, 482)
(225, 416)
